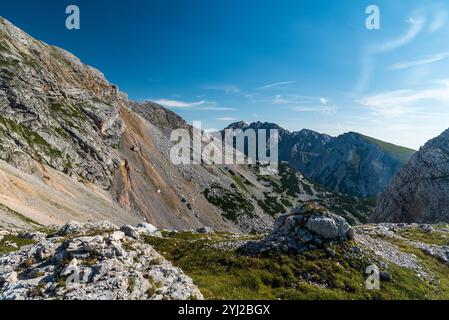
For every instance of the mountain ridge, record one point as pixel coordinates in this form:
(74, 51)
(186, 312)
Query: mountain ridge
(350, 163)
(59, 115)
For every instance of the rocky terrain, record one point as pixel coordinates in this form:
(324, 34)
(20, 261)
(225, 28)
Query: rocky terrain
(350, 163)
(311, 253)
(89, 262)
(73, 147)
(420, 190)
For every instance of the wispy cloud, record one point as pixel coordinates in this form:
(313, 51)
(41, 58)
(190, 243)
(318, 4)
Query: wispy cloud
(419, 62)
(439, 21)
(227, 119)
(212, 108)
(179, 104)
(295, 99)
(407, 102)
(201, 105)
(224, 88)
(327, 110)
(276, 85)
(416, 25)
(324, 100)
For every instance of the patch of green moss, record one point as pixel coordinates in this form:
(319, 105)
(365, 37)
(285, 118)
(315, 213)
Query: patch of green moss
(33, 139)
(18, 215)
(233, 203)
(5, 248)
(271, 205)
(67, 111)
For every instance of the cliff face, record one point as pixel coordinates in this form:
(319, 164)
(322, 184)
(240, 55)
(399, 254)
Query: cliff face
(420, 190)
(357, 165)
(55, 110)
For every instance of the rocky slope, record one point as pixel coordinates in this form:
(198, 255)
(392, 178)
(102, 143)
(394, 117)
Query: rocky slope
(310, 254)
(73, 147)
(350, 163)
(89, 262)
(420, 190)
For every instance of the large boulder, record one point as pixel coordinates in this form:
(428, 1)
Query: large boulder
(308, 227)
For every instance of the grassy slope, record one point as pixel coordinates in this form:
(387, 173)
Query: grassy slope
(313, 275)
(403, 154)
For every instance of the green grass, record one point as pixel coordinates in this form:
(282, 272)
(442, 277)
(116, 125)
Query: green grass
(32, 138)
(231, 275)
(233, 203)
(439, 289)
(401, 153)
(435, 237)
(18, 215)
(67, 111)
(4, 248)
(239, 182)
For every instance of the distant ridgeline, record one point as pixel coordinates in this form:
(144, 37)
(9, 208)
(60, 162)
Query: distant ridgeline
(350, 163)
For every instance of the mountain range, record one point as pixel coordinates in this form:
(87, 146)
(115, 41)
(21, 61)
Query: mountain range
(350, 163)
(81, 165)
(73, 147)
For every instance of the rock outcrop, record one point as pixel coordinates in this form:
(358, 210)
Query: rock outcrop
(420, 191)
(56, 110)
(308, 227)
(93, 262)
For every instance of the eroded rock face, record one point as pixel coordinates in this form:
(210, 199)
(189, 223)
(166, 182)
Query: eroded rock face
(91, 262)
(308, 227)
(420, 191)
(55, 110)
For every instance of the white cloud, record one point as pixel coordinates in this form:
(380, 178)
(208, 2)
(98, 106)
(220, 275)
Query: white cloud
(224, 88)
(227, 119)
(276, 85)
(327, 110)
(419, 62)
(407, 102)
(295, 100)
(324, 100)
(369, 57)
(439, 21)
(179, 104)
(212, 108)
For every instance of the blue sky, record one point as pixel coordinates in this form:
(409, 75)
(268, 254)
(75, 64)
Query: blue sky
(301, 64)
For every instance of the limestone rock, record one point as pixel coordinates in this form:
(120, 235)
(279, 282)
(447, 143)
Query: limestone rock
(92, 268)
(420, 191)
(307, 227)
